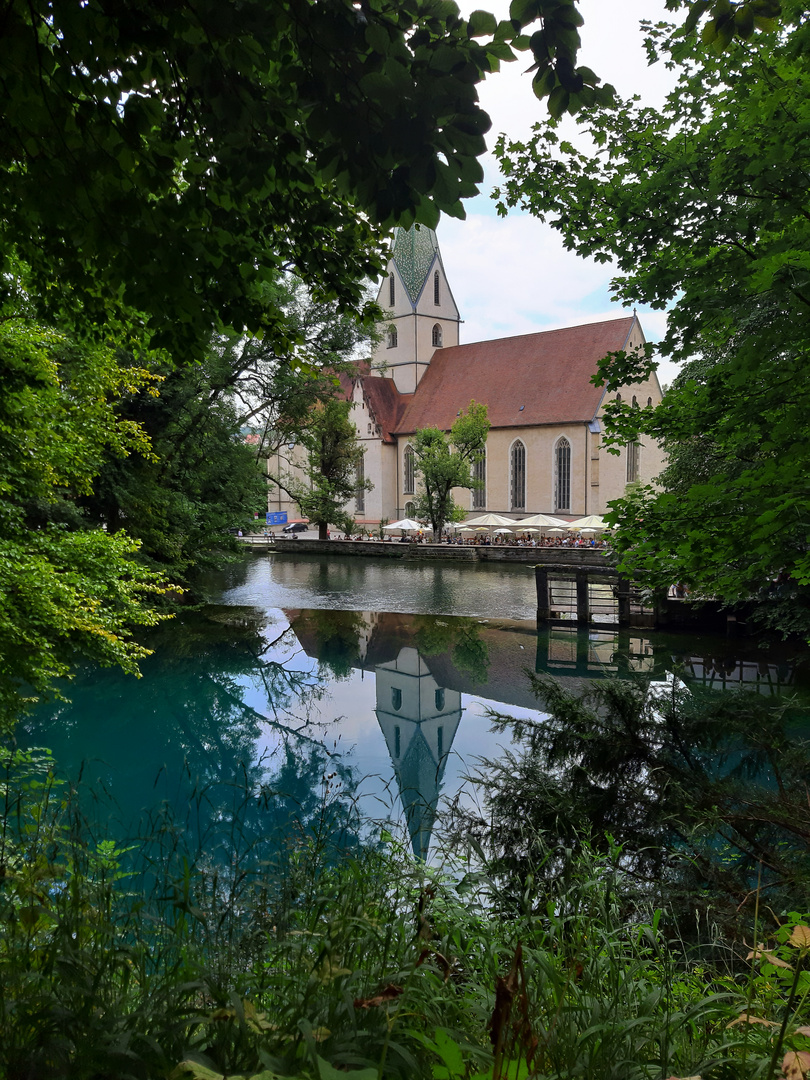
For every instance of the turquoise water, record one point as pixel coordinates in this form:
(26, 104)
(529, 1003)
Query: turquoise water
(354, 683)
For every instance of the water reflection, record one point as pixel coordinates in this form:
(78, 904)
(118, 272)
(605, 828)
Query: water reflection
(419, 720)
(346, 583)
(584, 653)
(221, 732)
(378, 702)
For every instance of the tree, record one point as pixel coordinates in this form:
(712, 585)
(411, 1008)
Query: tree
(198, 478)
(170, 157)
(275, 383)
(65, 589)
(444, 463)
(334, 456)
(703, 206)
(704, 793)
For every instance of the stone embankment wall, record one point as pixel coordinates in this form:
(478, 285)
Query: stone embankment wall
(595, 557)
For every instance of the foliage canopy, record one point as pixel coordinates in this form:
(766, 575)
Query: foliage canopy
(445, 462)
(334, 456)
(65, 590)
(703, 207)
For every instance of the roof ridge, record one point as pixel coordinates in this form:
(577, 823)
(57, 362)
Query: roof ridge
(538, 333)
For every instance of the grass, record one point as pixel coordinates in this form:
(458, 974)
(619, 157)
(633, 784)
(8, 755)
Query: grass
(321, 959)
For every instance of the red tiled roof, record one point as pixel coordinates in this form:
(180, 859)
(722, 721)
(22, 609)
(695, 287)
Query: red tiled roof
(386, 403)
(382, 397)
(547, 373)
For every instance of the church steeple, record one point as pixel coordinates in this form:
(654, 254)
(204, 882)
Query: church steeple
(413, 254)
(421, 312)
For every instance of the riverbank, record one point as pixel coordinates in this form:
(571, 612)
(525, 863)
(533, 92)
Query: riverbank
(392, 549)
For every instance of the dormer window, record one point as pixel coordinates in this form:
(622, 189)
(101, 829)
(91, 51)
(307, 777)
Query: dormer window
(392, 337)
(436, 289)
(437, 336)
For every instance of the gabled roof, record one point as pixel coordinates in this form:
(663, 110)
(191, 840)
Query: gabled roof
(384, 401)
(548, 374)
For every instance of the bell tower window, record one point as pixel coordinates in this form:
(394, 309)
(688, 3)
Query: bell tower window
(392, 337)
(436, 289)
(437, 336)
(392, 290)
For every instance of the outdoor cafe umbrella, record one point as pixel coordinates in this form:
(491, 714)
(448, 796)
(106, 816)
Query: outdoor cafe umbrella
(406, 524)
(487, 521)
(592, 521)
(545, 521)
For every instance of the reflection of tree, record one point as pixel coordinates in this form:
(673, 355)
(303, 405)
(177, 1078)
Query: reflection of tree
(458, 636)
(188, 732)
(707, 793)
(337, 635)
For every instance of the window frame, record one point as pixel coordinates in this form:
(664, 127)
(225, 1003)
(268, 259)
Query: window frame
(562, 477)
(517, 475)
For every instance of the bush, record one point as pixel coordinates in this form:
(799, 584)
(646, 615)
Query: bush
(327, 960)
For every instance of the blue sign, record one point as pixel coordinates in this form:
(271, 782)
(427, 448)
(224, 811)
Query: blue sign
(277, 517)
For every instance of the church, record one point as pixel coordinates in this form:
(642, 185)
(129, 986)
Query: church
(544, 450)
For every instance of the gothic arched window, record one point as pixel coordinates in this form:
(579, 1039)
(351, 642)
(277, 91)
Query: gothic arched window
(436, 290)
(360, 492)
(633, 456)
(392, 337)
(437, 336)
(479, 499)
(392, 290)
(518, 470)
(438, 697)
(562, 475)
(409, 510)
(409, 472)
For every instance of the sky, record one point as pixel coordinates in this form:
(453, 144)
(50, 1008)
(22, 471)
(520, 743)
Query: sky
(512, 275)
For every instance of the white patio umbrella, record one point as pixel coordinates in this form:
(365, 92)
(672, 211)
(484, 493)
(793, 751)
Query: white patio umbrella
(499, 531)
(543, 520)
(487, 521)
(592, 521)
(408, 524)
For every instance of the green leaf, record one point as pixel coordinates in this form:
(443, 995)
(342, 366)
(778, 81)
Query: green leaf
(329, 1072)
(524, 11)
(558, 102)
(481, 24)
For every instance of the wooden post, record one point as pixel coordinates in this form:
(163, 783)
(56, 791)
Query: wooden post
(583, 610)
(543, 604)
(623, 593)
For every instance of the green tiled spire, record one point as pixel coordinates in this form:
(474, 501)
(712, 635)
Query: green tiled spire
(413, 254)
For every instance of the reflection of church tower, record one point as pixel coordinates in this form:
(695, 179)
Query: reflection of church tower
(421, 313)
(419, 720)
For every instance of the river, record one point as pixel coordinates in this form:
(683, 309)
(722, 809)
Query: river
(359, 685)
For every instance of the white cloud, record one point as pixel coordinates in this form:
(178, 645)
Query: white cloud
(513, 276)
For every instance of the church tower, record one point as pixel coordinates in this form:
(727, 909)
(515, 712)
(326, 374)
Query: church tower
(421, 314)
